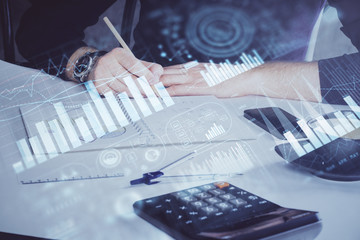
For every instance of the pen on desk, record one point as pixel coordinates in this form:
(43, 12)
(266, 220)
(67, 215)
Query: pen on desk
(123, 43)
(148, 178)
(197, 177)
(180, 160)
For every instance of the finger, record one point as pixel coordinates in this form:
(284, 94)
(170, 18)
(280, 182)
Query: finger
(172, 79)
(119, 85)
(189, 90)
(177, 66)
(155, 68)
(115, 89)
(194, 78)
(102, 85)
(180, 69)
(175, 71)
(133, 65)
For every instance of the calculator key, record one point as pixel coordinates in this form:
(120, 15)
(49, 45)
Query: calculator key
(158, 206)
(240, 193)
(207, 187)
(212, 200)
(198, 204)
(151, 202)
(222, 185)
(252, 197)
(193, 213)
(238, 202)
(182, 208)
(203, 195)
(224, 206)
(188, 199)
(193, 190)
(218, 214)
(169, 212)
(248, 206)
(180, 194)
(188, 222)
(209, 210)
(227, 197)
(216, 192)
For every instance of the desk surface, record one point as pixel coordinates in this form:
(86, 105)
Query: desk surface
(102, 209)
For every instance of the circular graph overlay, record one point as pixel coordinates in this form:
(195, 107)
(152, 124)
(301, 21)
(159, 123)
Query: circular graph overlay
(152, 155)
(110, 158)
(220, 31)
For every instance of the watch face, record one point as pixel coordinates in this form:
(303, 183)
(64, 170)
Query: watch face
(82, 65)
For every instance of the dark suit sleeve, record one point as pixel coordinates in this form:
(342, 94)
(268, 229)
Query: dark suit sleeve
(50, 31)
(340, 76)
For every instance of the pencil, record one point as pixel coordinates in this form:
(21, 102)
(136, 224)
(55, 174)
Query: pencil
(122, 43)
(117, 35)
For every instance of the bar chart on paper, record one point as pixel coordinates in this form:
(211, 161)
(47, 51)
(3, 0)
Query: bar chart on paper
(215, 130)
(100, 117)
(228, 157)
(216, 74)
(324, 133)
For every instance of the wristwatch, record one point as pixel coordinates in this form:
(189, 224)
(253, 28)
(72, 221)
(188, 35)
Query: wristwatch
(84, 65)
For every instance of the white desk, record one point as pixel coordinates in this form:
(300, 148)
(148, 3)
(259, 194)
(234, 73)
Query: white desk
(102, 209)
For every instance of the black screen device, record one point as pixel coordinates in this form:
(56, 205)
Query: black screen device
(275, 120)
(338, 160)
(12, 236)
(223, 211)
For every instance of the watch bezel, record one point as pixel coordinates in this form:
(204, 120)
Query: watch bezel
(79, 75)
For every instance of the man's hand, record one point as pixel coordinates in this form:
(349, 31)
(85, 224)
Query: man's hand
(185, 83)
(288, 80)
(110, 69)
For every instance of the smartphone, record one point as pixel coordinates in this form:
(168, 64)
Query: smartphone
(275, 121)
(338, 160)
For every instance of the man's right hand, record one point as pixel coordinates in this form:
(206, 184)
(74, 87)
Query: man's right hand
(111, 68)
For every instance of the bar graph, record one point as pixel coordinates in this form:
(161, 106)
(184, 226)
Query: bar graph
(129, 106)
(98, 117)
(26, 153)
(216, 74)
(66, 123)
(84, 129)
(236, 157)
(93, 119)
(46, 139)
(215, 131)
(190, 65)
(324, 133)
(115, 107)
(59, 136)
(140, 101)
(38, 150)
(109, 123)
(150, 94)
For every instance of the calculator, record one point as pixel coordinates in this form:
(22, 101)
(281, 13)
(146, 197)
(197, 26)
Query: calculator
(220, 211)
